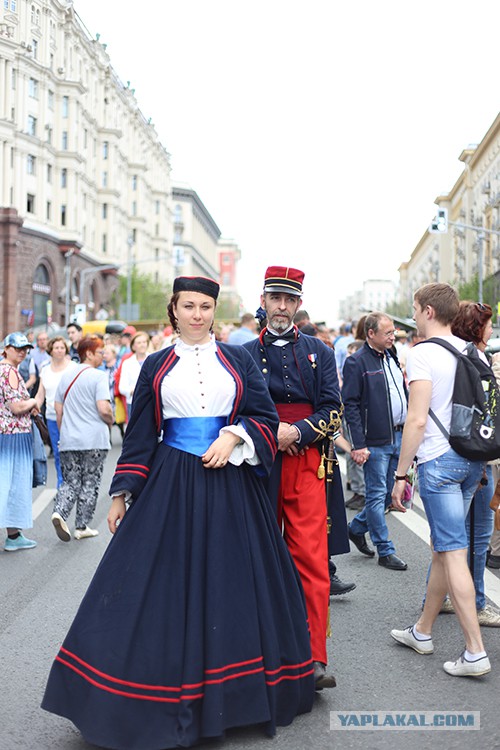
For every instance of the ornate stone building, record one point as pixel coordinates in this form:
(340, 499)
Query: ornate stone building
(84, 180)
(474, 201)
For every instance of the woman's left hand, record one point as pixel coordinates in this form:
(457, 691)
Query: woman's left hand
(217, 455)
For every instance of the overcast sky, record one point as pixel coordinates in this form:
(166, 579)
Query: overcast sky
(318, 133)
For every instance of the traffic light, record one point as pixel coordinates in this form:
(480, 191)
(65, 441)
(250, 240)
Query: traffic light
(440, 222)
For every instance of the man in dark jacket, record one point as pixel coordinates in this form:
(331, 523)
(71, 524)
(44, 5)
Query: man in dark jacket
(375, 402)
(301, 375)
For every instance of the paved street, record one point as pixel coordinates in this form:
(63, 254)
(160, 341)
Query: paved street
(40, 591)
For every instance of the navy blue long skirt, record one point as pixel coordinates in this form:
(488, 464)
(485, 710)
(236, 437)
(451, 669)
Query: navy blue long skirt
(195, 619)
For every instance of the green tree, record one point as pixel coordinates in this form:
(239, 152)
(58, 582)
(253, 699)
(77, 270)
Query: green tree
(151, 296)
(491, 290)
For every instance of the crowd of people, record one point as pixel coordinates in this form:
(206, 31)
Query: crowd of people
(210, 607)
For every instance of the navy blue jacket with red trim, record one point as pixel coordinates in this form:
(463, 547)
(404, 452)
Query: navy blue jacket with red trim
(252, 407)
(318, 373)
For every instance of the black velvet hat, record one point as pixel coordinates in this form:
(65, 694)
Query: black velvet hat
(197, 284)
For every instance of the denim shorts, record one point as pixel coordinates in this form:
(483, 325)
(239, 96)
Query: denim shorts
(446, 485)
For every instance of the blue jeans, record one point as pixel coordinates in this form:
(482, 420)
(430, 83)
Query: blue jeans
(54, 439)
(379, 479)
(483, 528)
(446, 485)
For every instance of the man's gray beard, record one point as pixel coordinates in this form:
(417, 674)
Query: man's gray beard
(280, 326)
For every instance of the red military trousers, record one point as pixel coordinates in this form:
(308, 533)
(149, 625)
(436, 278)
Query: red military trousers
(302, 515)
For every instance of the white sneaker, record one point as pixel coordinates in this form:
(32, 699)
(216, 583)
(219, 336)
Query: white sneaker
(406, 638)
(463, 668)
(85, 533)
(61, 527)
(489, 617)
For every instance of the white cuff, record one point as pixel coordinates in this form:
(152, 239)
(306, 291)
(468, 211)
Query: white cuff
(243, 451)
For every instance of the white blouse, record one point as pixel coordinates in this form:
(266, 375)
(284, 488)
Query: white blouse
(199, 386)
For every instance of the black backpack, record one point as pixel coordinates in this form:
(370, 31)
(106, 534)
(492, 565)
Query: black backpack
(475, 416)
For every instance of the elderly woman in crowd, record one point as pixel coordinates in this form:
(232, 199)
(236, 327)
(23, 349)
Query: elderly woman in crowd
(50, 377)
(16, 445)
(84, 413)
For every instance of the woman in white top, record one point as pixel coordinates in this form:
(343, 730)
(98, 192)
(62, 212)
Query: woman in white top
(50, 377)
(131, 366)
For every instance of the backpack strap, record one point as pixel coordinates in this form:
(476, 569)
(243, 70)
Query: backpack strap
(453, 350)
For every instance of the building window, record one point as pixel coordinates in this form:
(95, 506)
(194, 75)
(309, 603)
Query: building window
(34, 47)
(134, 236)
(134, 208)
(104, 243)
(157, 253)
(157, 277)
(31, 125)
(157, 207)
(85, 137)
(64, 177)
(31, 164)
(13, 79)
(63, 215)
(12, 114)
(48, 212)
(49, 172)
(12, 5)
(105, 149)
(178, 214)
(65, 106)
(33, 88)
(134, 182)
(49, 134)
(105, 179)
(50, 99)
(64, 142)
(30, 203)
(104, 210)
(157, 230)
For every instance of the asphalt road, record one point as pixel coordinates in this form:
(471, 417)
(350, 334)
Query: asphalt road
(40, 591)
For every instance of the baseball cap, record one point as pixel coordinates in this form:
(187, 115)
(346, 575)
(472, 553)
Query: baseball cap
(17, 339)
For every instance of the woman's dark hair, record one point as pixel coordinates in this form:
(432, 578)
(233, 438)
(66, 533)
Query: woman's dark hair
(360, 334)
(89, 344)
(470, 321)
(53, 341)
(170, 310)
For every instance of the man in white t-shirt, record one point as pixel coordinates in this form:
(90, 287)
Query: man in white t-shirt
(447, 481)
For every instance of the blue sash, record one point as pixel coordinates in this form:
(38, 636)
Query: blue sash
(192, 434)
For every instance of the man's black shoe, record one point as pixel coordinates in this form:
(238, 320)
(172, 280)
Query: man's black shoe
(338, 587)
(493, 561)
(359, 541)
(392, 562)
(321, 678)
(356, 502)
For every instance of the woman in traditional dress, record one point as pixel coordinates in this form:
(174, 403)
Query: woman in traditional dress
(16, 445)
(195, 620)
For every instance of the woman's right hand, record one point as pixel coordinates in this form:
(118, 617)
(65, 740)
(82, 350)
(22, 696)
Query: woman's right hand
(116, 512)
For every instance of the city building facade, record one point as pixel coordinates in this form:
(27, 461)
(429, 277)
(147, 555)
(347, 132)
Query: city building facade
(84, 180)
(472, 205)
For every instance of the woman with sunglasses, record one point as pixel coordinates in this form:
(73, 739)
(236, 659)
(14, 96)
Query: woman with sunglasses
(16, 445)
(473, 324)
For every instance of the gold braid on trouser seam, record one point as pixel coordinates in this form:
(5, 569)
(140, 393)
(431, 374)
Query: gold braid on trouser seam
(326, 432)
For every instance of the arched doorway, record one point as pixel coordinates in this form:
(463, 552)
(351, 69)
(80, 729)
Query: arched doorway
(41, 296)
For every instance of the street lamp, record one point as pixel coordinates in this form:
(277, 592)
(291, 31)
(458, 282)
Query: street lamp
(130, 264)
(67, 274)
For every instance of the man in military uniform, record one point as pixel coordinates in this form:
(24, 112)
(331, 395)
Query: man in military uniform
(301, 375)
